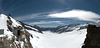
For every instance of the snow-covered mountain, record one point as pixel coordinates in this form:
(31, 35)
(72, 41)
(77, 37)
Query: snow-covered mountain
(29, 27)
(16, 34)
(69, 28)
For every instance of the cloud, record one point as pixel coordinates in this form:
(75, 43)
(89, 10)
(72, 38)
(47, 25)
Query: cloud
(46, 22)
(80, 14)
(21, 18)
(32, 16)
(42, 15)
(74, 14)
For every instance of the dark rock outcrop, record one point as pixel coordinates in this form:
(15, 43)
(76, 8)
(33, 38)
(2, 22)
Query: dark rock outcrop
(93, 37)
(21, 36)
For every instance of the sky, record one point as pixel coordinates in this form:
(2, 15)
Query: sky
(52, 13)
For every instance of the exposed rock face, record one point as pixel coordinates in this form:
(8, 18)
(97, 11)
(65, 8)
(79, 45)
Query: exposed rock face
(93, 37)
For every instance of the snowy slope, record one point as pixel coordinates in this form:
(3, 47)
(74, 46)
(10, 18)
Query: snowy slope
(9, 34)
(10, 37)
(3, 25)
(72, 39)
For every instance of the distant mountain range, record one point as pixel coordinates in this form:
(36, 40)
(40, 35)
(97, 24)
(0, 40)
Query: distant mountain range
(59, 29)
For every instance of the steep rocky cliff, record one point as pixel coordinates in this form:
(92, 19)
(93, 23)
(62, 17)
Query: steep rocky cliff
(93, 37)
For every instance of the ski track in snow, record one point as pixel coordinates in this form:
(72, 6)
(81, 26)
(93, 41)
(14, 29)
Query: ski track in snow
(72, 39)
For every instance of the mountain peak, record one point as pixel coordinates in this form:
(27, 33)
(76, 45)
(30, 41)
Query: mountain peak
(15, 32)
(9, 14)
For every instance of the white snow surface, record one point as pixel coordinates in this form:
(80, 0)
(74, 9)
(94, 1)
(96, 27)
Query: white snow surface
(74, 39)
(3, 25)
(15, 23)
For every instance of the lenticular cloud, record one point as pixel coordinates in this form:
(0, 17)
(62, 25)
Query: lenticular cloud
(80, 14)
